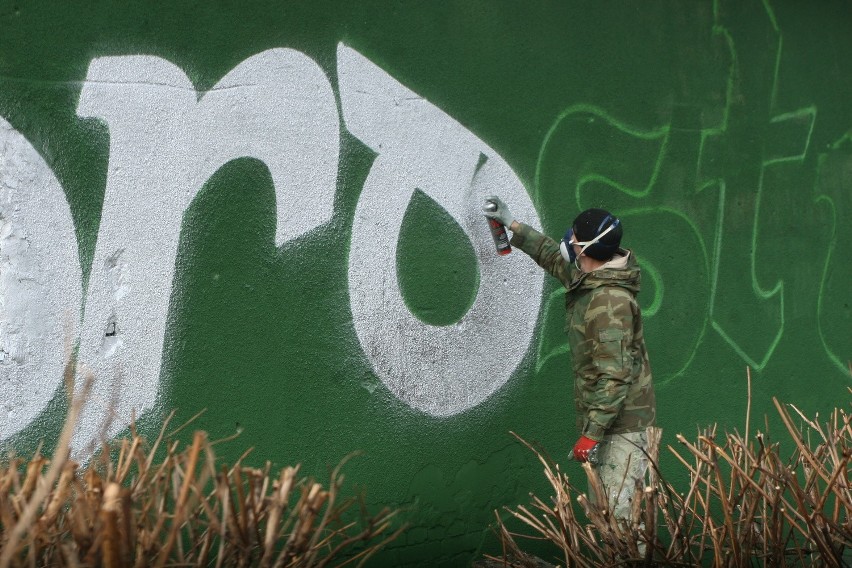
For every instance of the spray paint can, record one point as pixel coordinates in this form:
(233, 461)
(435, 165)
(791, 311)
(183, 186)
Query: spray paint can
(498, 231)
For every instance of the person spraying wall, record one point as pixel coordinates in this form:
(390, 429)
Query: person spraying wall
(613, 387)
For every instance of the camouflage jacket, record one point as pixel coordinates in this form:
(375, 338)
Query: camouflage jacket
(613, 389)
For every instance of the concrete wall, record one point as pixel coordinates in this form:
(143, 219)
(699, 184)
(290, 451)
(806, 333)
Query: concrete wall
(270, 211)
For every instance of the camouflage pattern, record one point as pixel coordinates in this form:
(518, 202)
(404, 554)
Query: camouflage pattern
(622, 464)
(613, 388)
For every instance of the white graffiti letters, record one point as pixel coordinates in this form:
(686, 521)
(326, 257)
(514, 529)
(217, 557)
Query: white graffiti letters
(441, 370)
(40, 282)
(165, 142)
(167, 139)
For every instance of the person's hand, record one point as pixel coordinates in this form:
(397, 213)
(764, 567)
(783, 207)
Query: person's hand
(582, 448)
(496, 209)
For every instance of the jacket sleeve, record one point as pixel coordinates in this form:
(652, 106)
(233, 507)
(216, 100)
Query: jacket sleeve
(543, 250)
(607, 379)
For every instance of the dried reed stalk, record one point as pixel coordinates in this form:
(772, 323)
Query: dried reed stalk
(746, 505)
(130, 508)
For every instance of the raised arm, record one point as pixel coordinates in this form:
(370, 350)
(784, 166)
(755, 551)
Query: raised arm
(541, 248)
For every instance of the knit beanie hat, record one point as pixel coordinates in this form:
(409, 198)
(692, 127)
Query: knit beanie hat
(593, 222)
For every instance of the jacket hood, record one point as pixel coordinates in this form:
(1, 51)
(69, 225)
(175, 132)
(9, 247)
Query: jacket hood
(628, 276)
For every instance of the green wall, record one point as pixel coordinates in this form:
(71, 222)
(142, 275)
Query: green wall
(720, 132)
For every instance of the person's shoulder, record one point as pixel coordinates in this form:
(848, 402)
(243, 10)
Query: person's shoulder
(610, 299)
(611, 292)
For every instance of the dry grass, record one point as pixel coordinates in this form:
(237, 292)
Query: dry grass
(131, 508)
(745, 505)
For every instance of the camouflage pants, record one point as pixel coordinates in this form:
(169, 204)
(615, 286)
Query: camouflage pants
(621, 464)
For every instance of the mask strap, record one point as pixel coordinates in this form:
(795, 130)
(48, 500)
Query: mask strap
(596, 239)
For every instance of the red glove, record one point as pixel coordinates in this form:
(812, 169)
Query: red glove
(582, 448)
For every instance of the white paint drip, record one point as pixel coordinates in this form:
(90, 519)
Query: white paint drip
(441, 370)
(40, 282)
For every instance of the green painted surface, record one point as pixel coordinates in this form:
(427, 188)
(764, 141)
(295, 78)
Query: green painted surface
(721, 133)
(438, 272)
